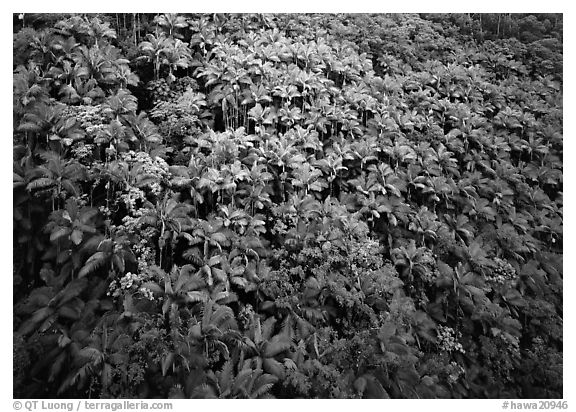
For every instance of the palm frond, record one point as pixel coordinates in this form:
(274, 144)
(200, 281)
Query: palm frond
(96, 261)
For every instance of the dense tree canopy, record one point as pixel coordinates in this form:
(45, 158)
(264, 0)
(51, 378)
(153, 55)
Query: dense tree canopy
(246, 206)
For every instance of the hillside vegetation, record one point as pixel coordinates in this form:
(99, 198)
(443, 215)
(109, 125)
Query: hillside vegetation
(290, 206)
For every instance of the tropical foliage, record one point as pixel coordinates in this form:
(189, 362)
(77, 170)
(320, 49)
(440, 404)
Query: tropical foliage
(251, 206)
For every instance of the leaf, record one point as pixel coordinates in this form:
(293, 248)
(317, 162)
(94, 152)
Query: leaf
(154, 287)
(219, 237)
(197, 296)
(219, 274)
(118, 262)
(273, 367)
(360, 384)
(274, 349)
(263, 384)
(32, 323)
(76, 237)
(64, 231)
(90, 353)
(69, 312)
(95, 261)
(57, 366)
(374, 389)
(514, 297)
(436, 311)
(167, 362)
(41, 183)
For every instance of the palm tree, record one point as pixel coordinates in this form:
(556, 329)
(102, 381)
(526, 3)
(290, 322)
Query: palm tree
(255, 197)
(170, 22)
(365, 150)
(112, 253)
(72, 222)
(126, 77)
(53, 123)
(171, 218)
(308, 177)
(57, 175)
(261, 346)
(176, 54)
(90, 30)
(153, 48)
(425, 224)
(400, 152)
(98, 64)
(362, 184)
(207, 234)
(237, 219)
(248, 383)
(459, 228)
(436, 189)
(445, 161)
(411, 260)
(104, 352)
(216, 330)
(332, 166)
(182, 286)
(386, 178)
(143, 130)
(28, 89)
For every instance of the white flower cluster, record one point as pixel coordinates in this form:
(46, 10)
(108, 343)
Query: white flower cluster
(448, 339)
(431, 276)
(82, 200)
(279, 227)
(511, 342)
(455, 372)
(367, 254)
(125, 283)
(147, 293)
(428, 258)
(246, 316)
(127, 280)
(156, 167)
(155, 188)
(91, 118)
(82, 151)
(105, 211)
(95, 130)
(502, 272)
(134, 194)
(144, 253)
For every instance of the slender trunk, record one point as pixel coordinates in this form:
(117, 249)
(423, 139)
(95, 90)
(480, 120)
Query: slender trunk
(139, 27)
(134, 28)
(481, 32)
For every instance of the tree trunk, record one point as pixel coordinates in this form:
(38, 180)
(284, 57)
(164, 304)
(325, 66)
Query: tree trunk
(134, 28)
(138, 26)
